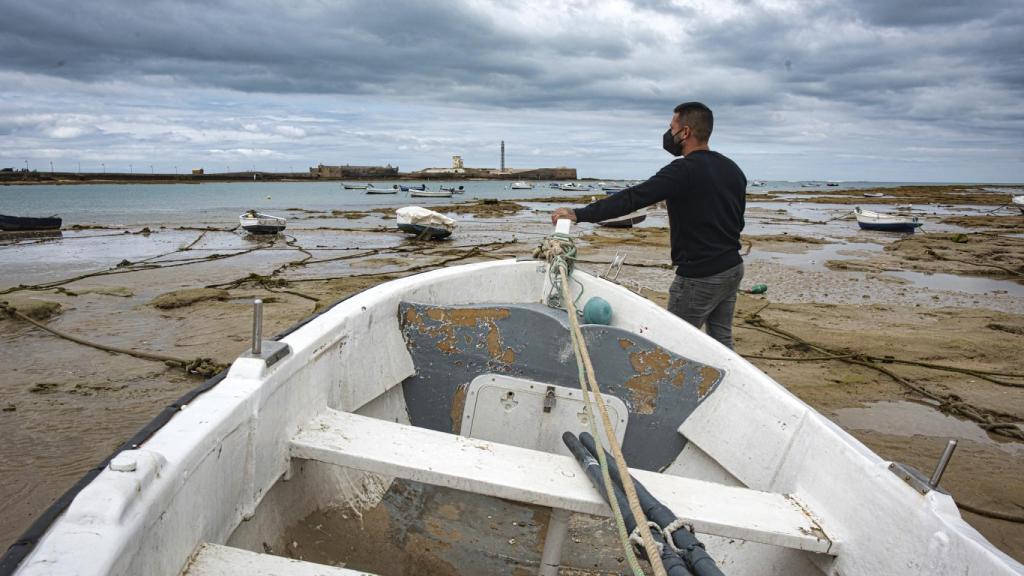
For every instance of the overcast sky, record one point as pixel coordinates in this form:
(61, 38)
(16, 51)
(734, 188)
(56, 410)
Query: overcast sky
(846, 90)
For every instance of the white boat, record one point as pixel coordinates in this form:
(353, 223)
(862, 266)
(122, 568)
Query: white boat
(1018, 201)
(372, 190)
(757, 183)
(574, 187)
(874, 194)
(521, 186)
(349, 186)
(869, 220)
(414, 428)
(442, 193)
(258, 223)
(425, 224)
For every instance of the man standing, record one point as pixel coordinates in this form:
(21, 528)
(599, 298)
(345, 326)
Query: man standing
(706, 195)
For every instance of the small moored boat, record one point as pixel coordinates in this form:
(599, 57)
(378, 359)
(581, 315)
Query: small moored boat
(349, 186)
(626, 221)
(874, 194)
(372, 190)
(255, 222)
(408, 188)
(442, 193)
(425, 224)
(574, 187)
(1018, 201)
(521, 185)
(869, 220)
(27, 224)
(453, 189)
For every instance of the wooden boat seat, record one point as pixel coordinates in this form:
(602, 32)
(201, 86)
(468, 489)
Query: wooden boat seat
(216, 560)
(556, 481)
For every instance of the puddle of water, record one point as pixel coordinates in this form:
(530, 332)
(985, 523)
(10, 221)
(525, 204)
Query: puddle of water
(816, 256)
(969, 284)
(912, 419)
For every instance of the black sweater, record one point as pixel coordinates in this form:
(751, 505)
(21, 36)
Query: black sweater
(706, 195)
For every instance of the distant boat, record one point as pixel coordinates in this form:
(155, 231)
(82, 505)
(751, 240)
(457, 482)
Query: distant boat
(1018, 201)
(25, 224)
(873, 194)
(757, 183)
(573, 187)
(255, 222)
(810, 185)
(453, 189)
(372, 190)
(626, 221)
(408, 188)
(442, 193)
(553, 185)
(609, 190)
(425, 224)
(869, 220)
(348, 186)
(832, 184)
(522, 186)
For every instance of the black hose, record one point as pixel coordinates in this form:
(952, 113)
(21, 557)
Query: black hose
(691, 549)
(673, 564)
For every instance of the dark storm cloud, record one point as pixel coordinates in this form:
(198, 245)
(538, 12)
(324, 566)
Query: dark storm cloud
(802, 74)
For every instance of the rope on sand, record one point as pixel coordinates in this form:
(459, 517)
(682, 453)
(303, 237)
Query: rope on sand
(994, 421)
(205, 367)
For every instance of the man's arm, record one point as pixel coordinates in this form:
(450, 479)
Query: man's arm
(667, 181)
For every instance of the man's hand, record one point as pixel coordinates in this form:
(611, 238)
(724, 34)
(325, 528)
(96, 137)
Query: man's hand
(563, 213)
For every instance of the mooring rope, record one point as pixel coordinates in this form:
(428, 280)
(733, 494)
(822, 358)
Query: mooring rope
(200, 366)
(560, 252)
(994, 421)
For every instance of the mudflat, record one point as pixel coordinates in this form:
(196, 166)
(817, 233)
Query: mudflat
(903, 340)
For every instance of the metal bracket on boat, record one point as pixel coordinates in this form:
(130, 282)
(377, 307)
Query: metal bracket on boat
(615, 266)
(269, 350)
(917, 480)
(549, 399)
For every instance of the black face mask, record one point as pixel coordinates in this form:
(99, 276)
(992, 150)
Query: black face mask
(668, 142)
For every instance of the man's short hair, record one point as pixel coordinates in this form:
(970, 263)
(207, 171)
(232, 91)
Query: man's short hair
(698, 117)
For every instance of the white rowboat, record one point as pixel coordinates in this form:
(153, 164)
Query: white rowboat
(258, 223)
(869, 220)
(414, 428)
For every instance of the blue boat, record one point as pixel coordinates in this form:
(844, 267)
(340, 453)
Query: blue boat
(869, 220)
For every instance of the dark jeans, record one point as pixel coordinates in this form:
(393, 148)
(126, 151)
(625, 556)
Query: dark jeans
(710, 300)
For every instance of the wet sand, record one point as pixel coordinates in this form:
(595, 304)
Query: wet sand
(951, 295)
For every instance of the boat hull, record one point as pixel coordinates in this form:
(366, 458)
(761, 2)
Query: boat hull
(261, 229)
(430, 194)
(381, 191)
(25, 224)
(624, 222)
(890, 227)
(425, 232)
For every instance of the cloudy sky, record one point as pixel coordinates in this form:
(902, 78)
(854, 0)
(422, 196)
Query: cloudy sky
(883, 90)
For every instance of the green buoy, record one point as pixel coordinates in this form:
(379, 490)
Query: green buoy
(597, 310)
(758, 289)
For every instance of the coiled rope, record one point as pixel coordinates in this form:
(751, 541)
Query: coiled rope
(559, 250)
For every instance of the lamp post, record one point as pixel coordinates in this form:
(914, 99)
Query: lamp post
(51, 167)
(131, 169)
(150, 168)
(104, 167)
(175, 170)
